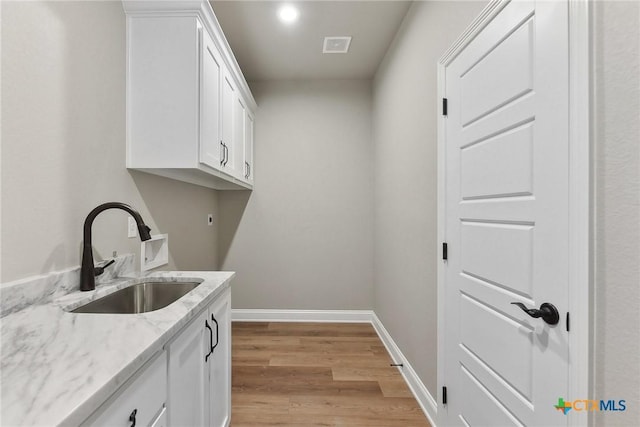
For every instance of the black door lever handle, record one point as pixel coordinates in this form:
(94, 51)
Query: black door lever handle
(547, 311)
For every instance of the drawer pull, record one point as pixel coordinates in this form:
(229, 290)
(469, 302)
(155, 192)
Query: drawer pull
(132, 417)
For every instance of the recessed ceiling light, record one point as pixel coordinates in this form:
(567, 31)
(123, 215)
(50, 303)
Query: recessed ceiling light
(288, 14)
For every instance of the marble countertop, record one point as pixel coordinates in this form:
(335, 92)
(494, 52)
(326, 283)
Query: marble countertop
(58, 367)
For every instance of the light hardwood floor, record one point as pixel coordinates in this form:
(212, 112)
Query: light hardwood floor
(317, 374)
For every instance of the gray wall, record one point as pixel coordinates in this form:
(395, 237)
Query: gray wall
(617, 213)
(63, 145)
(405, 135)
(404, 117)
(303, 238)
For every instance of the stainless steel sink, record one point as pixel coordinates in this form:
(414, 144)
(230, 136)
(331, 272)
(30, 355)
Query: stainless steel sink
(139, 298)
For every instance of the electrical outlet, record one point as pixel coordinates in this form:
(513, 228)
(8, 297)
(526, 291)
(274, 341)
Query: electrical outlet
(210, 219)
(132, 229)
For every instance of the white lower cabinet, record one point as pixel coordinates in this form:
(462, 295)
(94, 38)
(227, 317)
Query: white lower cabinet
(187, 384)
(140, 402)
(200, 369)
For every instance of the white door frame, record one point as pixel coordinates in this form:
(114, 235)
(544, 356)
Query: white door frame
(580, 285)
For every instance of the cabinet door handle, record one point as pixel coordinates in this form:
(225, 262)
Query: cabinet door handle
(132, 418)
(222, 154)
(217, 336)
(226, 155)
(206, 324)
(246, 170)
(249, 174)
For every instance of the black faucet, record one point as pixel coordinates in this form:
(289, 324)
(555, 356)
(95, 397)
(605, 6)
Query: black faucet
(88, 271)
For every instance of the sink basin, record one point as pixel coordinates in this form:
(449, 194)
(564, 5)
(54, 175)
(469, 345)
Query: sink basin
(139, 298)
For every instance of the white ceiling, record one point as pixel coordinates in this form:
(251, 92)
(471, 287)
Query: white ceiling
(266, 49)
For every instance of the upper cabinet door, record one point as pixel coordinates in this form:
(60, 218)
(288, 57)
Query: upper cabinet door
(248, 149)
(211, 152)
(229, 96)
(239, 137)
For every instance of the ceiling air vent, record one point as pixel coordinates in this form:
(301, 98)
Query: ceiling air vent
(336, 44)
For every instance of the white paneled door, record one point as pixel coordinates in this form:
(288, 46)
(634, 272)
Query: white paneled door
(506, 190)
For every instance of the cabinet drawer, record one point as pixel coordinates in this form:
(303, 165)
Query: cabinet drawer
(144, 394)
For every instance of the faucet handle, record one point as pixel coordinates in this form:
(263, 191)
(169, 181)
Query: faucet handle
(99, 270)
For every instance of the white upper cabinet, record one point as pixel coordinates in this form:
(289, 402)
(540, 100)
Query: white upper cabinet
(187, 100)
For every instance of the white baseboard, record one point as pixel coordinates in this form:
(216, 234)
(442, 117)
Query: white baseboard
(425, 399)
(339, 316)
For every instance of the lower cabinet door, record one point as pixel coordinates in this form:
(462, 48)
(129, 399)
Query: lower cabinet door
(220, 378)
(189, 374)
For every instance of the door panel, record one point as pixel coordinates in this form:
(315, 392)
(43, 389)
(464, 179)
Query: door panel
(488, 349)
(500, 254)
(485, 164)
(501, 390)
(507, 219)
(484, 409)
(503, 74)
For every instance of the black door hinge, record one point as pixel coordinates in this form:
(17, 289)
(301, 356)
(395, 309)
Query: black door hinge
(444, 395)
(567, 321)
(444, 106)
(445, 251)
